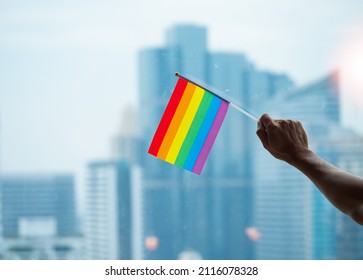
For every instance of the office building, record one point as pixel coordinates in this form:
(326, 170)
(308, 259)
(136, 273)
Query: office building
(112, 198)
(295, 219)
(46, 198)
(207, 215)
(126, 145)
(39, 217)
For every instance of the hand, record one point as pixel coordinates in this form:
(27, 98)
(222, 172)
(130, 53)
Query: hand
(284, 139)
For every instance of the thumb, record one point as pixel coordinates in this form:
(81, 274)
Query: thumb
(266, 121)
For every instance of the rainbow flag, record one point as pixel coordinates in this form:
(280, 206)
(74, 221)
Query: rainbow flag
(189, 126)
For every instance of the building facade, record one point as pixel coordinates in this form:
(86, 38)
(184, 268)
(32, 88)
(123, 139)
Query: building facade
(289, 208)
(39, 217)
(246, 204)
(207, 215)
(111, 203)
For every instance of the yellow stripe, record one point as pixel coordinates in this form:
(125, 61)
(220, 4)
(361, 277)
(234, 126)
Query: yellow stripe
(185, 125)
(176, 120)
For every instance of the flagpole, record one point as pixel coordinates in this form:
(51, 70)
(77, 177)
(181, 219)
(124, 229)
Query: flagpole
(239, 108)
(243, 111)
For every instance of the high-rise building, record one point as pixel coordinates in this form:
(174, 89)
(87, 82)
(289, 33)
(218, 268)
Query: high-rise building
(112, 197)
(264, 86)
(187, 46)
(281, 197)
(284, 199)
(346, 152)
(185, 214)
(289, 210)
(39, 216)
(127, 143)
(246, 204)
(171, 215)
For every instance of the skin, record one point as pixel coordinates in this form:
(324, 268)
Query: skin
(286, 140)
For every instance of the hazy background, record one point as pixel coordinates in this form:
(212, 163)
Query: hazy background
(68, 68)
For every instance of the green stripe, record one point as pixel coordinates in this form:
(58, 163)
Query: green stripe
(194, 129)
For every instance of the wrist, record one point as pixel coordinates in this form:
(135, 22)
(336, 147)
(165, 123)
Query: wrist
(300, 156)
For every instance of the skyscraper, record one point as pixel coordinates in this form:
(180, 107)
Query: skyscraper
(347, 153)
(111, 200)
(171, 214)
(289, 209)
(209, 214)
(126, 144)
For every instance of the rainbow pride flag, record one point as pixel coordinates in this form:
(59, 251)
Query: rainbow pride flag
(189, 126)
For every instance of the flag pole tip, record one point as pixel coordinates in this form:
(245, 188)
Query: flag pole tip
(177, 74)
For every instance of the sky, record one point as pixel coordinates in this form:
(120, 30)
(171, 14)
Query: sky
(69, 68)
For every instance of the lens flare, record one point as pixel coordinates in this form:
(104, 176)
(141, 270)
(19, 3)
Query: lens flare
(253, 233)
(350, 63)
(151, 243)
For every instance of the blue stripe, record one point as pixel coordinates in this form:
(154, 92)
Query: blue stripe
(203, 133)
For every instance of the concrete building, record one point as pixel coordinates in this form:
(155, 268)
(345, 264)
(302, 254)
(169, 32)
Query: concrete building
(209, 214)
(39, 217)
(295, 220)
(111, 228)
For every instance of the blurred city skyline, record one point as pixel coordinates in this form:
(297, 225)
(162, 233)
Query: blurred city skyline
(69, 69)
(246, 205)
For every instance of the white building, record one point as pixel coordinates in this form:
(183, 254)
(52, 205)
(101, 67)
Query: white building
(113, 199)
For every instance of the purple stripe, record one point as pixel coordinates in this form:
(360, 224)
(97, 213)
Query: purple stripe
(199, 164)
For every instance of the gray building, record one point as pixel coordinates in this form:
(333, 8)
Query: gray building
(207, 215)
(126, 145)
(246, 204)
(39, 217)
(50, 198)
(111, 219)
(295, 220)
(346, 152)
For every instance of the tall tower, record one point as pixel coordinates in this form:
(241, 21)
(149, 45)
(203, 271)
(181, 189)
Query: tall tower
(190, 215)
(111, 201)
(289, 208)
(127, 143)
(166, 189)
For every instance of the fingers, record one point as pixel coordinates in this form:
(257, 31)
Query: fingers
(283, 138)
(261, 133)
(266, 120)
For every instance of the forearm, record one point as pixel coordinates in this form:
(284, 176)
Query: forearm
(286, 140)
(343, 190)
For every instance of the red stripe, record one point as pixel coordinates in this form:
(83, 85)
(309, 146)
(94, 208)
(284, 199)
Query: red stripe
(167, 116)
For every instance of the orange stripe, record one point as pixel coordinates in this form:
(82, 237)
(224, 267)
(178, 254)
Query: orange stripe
(177, 119)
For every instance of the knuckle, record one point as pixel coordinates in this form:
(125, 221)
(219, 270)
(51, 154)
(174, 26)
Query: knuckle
(264, 117)
(285, 124)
